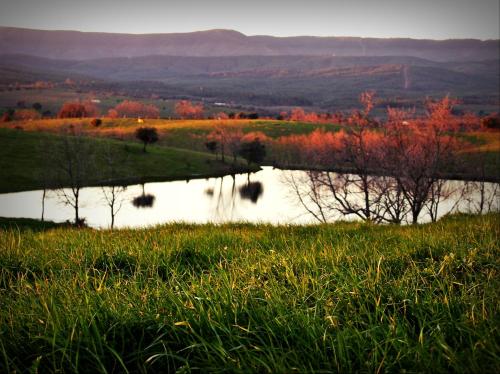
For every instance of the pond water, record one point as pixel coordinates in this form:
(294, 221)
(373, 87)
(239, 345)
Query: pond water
(262, 197)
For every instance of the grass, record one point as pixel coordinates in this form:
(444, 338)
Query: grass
(23, 156)
(187, 134)
(345, 297)
(126, 126)
(188, 137)
(28, 224)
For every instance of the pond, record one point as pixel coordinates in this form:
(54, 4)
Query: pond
(262, 197)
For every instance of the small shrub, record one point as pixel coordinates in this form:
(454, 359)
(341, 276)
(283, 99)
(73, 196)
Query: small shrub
(96, 122)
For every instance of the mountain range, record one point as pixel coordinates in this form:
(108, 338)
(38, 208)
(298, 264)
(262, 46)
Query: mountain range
(262, 70)
(76, 45)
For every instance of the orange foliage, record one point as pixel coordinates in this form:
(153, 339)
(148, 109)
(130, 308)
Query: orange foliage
(297, 114)
(112, 113)
(78, 110)
(130, 108)
(187, 110)
(26, 114)
(317, 147)
(221, 116)
(251, 136)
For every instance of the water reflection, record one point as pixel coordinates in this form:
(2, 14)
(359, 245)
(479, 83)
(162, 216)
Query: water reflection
(144, 200)
(228, 199)
(251, 191)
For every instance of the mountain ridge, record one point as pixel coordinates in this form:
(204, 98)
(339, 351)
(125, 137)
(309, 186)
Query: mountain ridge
(79, 45)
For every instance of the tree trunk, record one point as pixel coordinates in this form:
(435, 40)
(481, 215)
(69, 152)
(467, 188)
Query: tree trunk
(77, 217)
(414, 213)
(43, 203)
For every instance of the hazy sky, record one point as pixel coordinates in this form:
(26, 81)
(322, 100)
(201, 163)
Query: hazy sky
(437, 19)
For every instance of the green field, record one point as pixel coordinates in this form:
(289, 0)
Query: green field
(23, 160)
(181, 153)
(345, 297)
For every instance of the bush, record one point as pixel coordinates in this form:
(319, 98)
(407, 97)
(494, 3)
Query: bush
(492, 122)
(96, 122)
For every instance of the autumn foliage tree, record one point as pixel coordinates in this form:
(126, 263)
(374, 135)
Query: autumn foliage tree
(26, 115)
(131, 109)
(387, 172)
(187, 110)
(418, 150)
(78, 110)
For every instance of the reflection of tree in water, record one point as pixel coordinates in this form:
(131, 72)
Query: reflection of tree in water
(251, 191)
(144, 200)
(224, 205)
(225, 199)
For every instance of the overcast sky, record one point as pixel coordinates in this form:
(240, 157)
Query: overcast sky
(436, 19)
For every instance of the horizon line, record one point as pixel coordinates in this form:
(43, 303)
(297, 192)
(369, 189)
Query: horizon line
(239, 32)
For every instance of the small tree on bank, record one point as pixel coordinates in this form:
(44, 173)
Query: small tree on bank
(73, 160)
(253, 152)
(113, 192)
(147, 135)
(212, 146)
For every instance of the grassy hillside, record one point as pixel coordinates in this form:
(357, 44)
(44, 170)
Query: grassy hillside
(24, 159)
(333, 298)
(480, 147)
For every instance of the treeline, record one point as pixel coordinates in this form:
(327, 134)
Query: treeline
(388, 171)
(183, 109)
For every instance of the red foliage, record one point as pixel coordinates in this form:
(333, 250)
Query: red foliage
(222, 116)
(187, 110)
(297, 114)
(251, 136)
(6, 117)
(26, 114)
(129, 109)
(112, 113)
(318, 147)
(78, 110)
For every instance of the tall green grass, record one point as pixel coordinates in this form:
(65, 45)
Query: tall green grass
(344, 297)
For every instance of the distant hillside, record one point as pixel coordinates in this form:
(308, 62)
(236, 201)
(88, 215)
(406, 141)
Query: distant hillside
(165, 67)
(323, 81)
(82, 46)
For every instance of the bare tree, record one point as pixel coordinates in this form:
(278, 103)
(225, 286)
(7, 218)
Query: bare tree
(394, 208)
(309, 193)
(482, 197)
(113, 193)
(44, 174)
(439, 192)
(73, 160)
(416, 152)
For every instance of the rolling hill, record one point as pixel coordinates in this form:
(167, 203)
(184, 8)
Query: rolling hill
(227, 66)
(76, 45)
